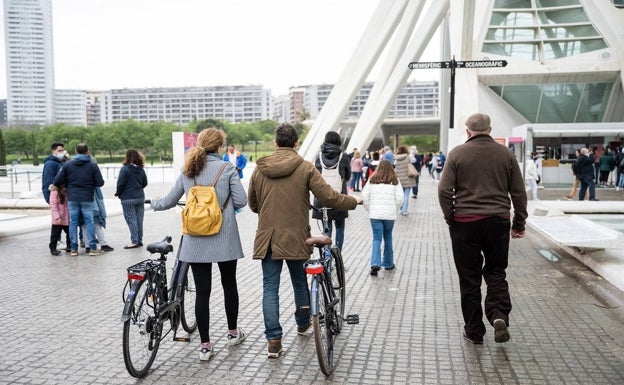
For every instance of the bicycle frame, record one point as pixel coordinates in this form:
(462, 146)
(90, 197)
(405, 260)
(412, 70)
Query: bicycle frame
(154, 270)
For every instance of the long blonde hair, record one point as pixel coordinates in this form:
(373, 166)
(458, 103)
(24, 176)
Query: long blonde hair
(208, 141)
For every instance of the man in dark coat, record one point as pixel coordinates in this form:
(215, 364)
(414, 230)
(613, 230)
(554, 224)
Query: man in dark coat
(81, 176)
(586, 174)
(51, 166)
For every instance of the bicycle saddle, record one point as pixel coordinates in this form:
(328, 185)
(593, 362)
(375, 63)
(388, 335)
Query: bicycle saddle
(319, 240)
(162, 247)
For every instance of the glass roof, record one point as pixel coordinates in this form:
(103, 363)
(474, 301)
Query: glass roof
(540, 30)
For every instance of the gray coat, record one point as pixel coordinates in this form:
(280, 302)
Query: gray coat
(225, 245)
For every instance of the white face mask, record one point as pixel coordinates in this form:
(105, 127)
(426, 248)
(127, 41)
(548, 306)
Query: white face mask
(60, 156)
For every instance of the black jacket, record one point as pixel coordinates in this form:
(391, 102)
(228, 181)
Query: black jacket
(331, 154)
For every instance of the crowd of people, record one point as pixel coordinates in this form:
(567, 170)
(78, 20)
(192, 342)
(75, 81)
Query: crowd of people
(482, 193)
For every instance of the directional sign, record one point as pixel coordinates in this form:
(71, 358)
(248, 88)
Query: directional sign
(457, 64)
(481, 63)
(453, 65)
(429, 65)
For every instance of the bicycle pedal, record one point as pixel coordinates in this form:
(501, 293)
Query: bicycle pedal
(353, 319)
(182, 339)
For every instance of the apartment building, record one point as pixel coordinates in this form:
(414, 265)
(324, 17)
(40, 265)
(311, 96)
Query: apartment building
(70, 107)
(416, 99)
(182, 105)
(29, 61)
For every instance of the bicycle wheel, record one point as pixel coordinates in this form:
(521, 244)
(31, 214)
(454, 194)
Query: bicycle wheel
(338, 283)
(141, 333)
(322, 323)
(187, 302)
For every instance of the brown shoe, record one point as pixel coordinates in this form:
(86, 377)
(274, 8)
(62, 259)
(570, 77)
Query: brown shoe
(275, 348)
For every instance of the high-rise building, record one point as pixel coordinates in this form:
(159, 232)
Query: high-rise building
(29, 61)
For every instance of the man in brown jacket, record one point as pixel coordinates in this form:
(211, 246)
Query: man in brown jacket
(279, 192)
(474, 192)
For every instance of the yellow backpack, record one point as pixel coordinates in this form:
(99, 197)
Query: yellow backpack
(202, 214)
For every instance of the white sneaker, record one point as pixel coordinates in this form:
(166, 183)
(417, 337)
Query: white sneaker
(205, 353)
(238, 338)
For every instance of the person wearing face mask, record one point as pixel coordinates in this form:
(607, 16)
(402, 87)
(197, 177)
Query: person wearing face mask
(51, 166)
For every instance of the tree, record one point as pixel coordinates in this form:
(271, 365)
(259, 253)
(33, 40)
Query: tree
(17, 142)
(209, 123)
(33, 144)
(3, 152)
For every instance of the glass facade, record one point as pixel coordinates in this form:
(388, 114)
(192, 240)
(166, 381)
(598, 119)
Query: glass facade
(540, 30)
(546, 30)
(558, 103)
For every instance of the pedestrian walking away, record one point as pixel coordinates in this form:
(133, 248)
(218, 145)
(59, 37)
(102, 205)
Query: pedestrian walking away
(407, 182)
(330, 153)
(382, 197)
(279, 192)
(480, 182)
(201, 166)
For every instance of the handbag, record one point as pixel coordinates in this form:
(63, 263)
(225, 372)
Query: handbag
(411, 171)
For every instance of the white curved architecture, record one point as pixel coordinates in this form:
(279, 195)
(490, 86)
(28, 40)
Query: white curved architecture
(565, 60)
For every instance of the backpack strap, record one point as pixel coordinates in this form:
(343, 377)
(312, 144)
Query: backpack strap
(217, 179)
(329, 168)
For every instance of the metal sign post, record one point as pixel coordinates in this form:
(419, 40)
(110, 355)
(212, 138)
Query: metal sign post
(452, 65)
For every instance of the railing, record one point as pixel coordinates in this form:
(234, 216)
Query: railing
(16, 179)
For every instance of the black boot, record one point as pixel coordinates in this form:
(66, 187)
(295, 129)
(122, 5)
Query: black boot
(55, 252)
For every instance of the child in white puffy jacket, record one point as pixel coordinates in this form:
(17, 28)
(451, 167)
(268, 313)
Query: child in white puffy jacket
(382, 196)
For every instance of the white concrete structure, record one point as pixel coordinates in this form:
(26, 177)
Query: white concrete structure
(565, 65)
(29, 61)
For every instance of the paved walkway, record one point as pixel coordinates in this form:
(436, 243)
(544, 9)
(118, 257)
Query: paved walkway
(64, 326)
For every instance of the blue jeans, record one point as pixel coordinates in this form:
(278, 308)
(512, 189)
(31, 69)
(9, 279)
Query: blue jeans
(405, 204)
(355, 180)
(340, 227)
(271, 271)
(86, 209)
(382, 228)
(133, 211)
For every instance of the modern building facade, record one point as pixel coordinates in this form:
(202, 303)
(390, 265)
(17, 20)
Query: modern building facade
(416, 99)
(564, 71)
(29, 61)
(70, 107)
(182, 105)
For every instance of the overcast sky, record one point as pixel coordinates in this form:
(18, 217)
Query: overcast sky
(105, 44)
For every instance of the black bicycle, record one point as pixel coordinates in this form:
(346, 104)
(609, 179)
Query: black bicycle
(327, 295)
(151, 304)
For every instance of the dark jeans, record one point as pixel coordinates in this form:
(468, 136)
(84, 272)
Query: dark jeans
(415, 188)
(474, 243)
(587, 182)
(55, 235)
(202, 273)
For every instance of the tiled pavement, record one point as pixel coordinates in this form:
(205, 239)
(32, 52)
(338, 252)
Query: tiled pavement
(60, 320)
